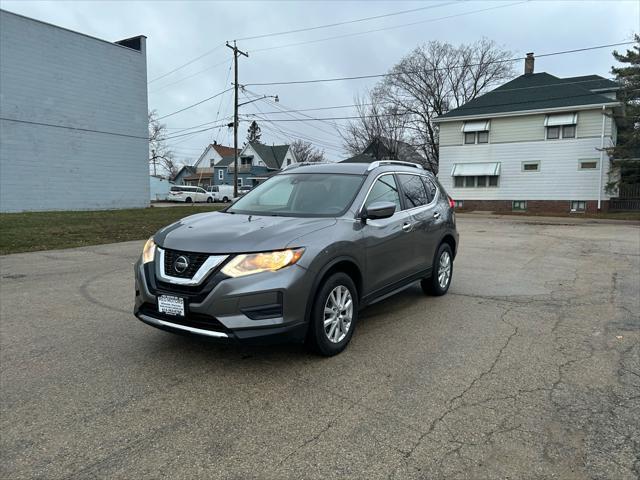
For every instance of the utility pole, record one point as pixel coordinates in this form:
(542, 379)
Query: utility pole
(236, 52)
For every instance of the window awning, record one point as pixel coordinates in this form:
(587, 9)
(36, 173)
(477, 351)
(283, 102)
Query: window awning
(561, 119)
(475, 169)
(477, 126)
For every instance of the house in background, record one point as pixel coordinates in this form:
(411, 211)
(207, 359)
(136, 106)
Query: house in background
(73, 119)
(534, 144)
(256, 163)
(202, 171)
(159, 188)
(386, 149)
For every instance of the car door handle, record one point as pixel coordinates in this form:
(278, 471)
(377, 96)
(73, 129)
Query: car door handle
(436, 215)
(407, 226)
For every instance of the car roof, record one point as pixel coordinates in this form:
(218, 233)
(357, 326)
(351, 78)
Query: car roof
(354, 168)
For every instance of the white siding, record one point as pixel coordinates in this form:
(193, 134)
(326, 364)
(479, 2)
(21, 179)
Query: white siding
(73, 133)
(558, 179)
(526, 128)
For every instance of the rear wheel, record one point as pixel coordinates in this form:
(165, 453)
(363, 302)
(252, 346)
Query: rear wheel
(209, 200)
(225, 199)
(440, 280)
(334, 315)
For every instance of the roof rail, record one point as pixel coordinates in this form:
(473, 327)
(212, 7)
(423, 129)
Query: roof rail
(379, 163)
(301, 164)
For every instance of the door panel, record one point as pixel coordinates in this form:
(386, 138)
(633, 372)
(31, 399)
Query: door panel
(389, 255)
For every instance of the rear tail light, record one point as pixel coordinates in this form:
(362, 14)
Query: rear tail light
(452, 204)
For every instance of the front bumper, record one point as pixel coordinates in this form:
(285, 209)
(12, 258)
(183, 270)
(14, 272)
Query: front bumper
(266, 307)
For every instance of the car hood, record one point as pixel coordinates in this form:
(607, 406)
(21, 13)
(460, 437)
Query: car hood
(222, 233)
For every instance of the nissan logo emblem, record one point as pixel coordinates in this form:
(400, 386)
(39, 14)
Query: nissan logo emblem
(181, 264)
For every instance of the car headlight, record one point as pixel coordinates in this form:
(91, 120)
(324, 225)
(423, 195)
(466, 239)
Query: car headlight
(149, 251)
(250, 263)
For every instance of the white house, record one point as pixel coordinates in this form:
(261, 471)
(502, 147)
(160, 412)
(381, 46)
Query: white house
(73, 119)
(256, 163)
(534, 144)
(201, 172)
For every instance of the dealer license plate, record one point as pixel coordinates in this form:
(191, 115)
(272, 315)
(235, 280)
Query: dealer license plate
(171, 305)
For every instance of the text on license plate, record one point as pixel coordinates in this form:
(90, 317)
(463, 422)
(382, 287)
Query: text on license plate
(171, 305)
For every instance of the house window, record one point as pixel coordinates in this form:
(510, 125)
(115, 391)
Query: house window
(569, 131)
(588, 164)
(220, 174)
(240, 182)
(578, 206)
(530, 166)
(561, 125)
(478, 181)
(553, 133)
(471, 138)
(519, 205)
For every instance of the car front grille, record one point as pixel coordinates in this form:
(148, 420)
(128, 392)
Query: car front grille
(195, 262)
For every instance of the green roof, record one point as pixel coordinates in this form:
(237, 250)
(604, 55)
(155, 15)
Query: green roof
(537, 91)
(225, 161)
(273, 155)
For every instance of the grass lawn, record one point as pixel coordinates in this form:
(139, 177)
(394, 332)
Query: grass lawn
(28, 232)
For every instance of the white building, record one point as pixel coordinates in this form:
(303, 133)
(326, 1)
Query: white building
(73, 119)
(533, 144)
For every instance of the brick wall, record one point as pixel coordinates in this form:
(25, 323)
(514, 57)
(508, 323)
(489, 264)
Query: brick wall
(533, 206)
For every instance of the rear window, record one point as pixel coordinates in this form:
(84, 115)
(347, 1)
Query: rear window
(413, 191)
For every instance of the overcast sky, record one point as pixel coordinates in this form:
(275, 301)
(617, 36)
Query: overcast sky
(178, 32)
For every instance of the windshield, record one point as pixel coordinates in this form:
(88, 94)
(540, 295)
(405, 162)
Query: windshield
(302, 194)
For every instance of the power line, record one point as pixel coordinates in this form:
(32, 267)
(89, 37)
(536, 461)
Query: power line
(164, 87)
(196, 104)
(346, 22)
(74, 128)
(192, 133)
(390, 74)
(353, 34)
(409, 113)
(209, 52)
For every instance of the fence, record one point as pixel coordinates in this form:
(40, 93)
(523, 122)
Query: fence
(628, 198)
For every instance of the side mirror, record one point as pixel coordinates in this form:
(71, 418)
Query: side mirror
(378, 210)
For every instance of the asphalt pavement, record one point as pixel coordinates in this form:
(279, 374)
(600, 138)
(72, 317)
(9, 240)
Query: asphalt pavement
(528, 368)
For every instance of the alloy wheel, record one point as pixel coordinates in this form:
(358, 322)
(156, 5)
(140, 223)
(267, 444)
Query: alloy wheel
(338, 314)
(444, 269)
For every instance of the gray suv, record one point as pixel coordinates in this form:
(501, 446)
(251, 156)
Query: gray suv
(297, 257)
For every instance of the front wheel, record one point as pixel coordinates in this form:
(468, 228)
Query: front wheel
(334, 315)
(442, 272)
(209, 200)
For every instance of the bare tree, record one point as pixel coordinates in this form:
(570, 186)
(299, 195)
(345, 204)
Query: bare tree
(377, 120)
(433, 79)
(306, 152)
(161, 158)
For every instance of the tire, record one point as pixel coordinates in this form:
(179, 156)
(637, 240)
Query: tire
(225, 199)
(188, 200)
(209, 200)
(332, 295)
(440, 280)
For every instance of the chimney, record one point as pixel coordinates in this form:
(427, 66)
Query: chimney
(528, 64)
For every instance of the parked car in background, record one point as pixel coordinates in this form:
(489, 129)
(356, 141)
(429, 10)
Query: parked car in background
(221, 193)
(298, 256)
(188, 194)
(243, 190)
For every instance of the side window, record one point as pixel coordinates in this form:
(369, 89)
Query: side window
(415, 195)
(431, 188)
(384, 190)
